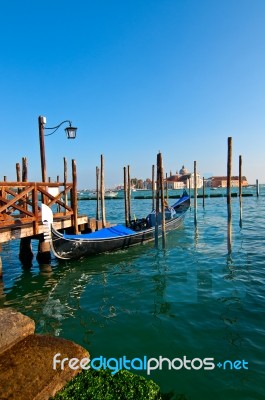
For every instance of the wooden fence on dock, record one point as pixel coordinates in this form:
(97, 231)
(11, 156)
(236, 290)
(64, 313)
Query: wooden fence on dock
(20, 203)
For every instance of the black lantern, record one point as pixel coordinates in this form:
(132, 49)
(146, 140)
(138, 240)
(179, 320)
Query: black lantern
(70, 132)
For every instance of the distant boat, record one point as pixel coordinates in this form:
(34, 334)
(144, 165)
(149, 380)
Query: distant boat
(109, 194)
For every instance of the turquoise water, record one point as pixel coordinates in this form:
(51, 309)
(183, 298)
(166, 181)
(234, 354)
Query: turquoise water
(195, 299)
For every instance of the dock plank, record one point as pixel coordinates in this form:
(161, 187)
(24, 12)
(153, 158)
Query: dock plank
(21, 230)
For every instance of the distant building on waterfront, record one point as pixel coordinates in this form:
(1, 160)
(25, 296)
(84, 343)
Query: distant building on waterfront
(221, 181)
(179, 180)
(183, 179)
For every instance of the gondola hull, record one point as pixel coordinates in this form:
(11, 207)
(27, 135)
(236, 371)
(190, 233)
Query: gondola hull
(83, 245)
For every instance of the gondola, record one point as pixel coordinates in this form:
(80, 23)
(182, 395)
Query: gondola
(118, 237)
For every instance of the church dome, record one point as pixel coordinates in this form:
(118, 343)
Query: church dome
(183, 171)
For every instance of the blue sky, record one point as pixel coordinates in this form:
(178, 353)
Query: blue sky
(136, 77)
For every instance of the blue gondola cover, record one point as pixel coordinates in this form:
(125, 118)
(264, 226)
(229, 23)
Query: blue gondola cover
(113, 231)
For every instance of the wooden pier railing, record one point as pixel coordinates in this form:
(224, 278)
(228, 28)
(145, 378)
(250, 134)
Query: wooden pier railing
(20, 202)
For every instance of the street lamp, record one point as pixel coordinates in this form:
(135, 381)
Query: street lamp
(70, 134)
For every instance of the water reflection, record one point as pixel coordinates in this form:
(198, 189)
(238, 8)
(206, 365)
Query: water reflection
(229, 228)
(190, 299)
(161, 306)
(204, 285)
(196, 235)
(46, 269)
(232, 309)
(195, 216)
(28, 289)
(240, 212)
(234, 291)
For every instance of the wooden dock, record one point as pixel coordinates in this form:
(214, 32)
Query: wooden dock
(20, 213)
(20, 207)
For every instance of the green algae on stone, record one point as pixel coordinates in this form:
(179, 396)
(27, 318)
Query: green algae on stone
(102, 385)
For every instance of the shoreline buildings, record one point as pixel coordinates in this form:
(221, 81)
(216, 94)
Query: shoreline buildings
(180, 180)
(221, 181)
(185, 180)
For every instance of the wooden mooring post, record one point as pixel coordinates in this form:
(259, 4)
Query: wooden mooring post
(25, 252)
(74, 198)
(240, 191)
(157, 201)
(160, 196)
(257, 187)
(102, 191)
(203, 192)
(42, 121)
(25, 248)
(153, 187)
(129, 192)
(195, 192)
(163, 223)
(24, 169)
(166, 188)
(97, 194)
(44, 251)
(65, 172)
(125, 189)
(18, 173)
(229, 169)
(229, 208)
(58, 181)
(240, 178)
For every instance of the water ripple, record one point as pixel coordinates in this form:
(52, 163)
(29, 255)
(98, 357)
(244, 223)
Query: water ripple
(199, 298)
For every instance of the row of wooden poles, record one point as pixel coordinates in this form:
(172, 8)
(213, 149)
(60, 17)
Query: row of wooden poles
(18, 171)
(24, 176)
(229, 176)
(127, 182)
(158, 198)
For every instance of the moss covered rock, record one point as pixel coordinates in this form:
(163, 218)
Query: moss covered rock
(102, 385)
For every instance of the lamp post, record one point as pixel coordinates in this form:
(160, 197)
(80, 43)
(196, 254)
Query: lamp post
(70, 134)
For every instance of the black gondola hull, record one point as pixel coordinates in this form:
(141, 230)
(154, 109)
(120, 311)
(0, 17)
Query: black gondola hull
(73, 248)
